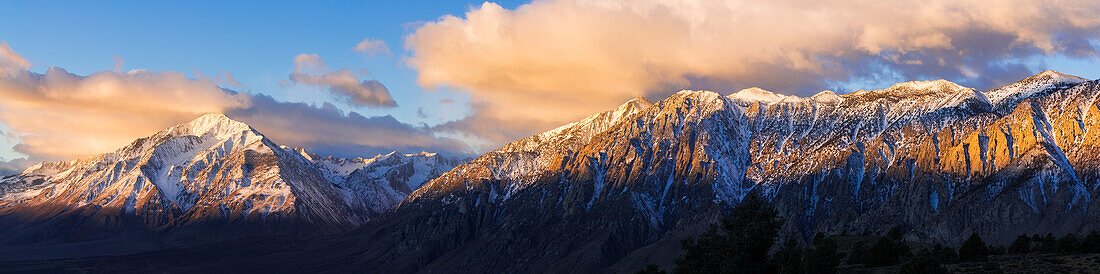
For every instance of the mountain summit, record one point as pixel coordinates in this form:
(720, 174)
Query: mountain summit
(210, 171)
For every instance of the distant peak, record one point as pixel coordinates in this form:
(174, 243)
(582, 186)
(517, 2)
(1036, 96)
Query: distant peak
(637, 103)
(216, 124)
(936, 85)
(1032, 86)
(1051, 73)
(424, 154)
(826, 96)
(1059, 77)
(755, 94)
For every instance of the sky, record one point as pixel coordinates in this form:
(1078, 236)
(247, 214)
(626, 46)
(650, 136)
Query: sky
(358, 78)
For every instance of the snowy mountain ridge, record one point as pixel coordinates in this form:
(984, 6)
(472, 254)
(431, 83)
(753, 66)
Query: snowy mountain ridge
(934, 158)
(215, 168)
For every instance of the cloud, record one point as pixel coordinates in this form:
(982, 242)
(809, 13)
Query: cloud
(58, 115)
(118, 62)
(11, 63)
(229, 81)
(485, 130)
(328, 130)
(309, 69)
(560, 60)
(371, 47)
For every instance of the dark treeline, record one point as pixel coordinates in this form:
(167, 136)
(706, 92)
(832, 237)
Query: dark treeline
(740, 243)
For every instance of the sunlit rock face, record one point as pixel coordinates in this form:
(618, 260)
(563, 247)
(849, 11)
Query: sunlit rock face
(211, 171)
(937, 159)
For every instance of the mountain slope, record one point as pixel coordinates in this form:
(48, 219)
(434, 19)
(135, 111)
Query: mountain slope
(937, 159)
(206, 172)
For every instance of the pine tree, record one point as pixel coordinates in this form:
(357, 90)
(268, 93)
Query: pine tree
(945, 255)
(740, 247)
(1022, 245)
(822, 255)
(974, 249)
(789, 257)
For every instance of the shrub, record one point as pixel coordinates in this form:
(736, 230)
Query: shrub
(1068, 244)
(1091, 243)
(651, 269)
(926, 262)
(885, 251)
(945, 255)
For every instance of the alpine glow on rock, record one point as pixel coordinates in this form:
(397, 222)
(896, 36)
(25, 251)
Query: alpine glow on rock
(550, 136)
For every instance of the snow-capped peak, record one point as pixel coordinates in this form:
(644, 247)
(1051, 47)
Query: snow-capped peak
(1061, 77)
(1029, 87)
(630, 107)
(826, 96)
(755, 94)
(215, 125)
(940, 85)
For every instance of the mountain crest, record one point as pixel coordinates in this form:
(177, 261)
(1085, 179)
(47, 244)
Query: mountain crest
(216, 168)
(940, 85)
(755, 94)
(215, 125)
(1006, 98)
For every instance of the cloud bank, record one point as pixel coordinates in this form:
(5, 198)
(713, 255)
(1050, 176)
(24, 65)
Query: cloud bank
(58, 115)
(328, 129)
(309, 69)
(560, 60)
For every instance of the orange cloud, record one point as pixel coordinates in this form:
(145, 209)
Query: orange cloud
(11, 63)
(59, 115)
(62, 115)
(559, 60)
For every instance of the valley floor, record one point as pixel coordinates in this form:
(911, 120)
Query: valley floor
(1010, 263)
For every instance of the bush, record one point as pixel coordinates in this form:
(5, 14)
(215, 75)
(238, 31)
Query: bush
(974, 249)
(991, 268)
(1091, 244)
(741, 246)
(822, 256)
(1021, 245)
(1050, 244)
(945, 255)
(926, 262)
(789, 257)
(651, 269)
(1068, 244)
(884, 252)
(895, 233)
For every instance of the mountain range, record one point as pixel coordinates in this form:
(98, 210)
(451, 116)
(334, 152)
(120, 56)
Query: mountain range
(618, 189)
(211, 172)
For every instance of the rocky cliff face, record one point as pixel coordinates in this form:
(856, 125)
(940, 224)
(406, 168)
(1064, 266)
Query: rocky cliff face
(935, 158)
(619, 189)
(208, 172)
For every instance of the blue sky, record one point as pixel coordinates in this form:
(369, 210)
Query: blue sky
(521, 69)
(255, 41)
